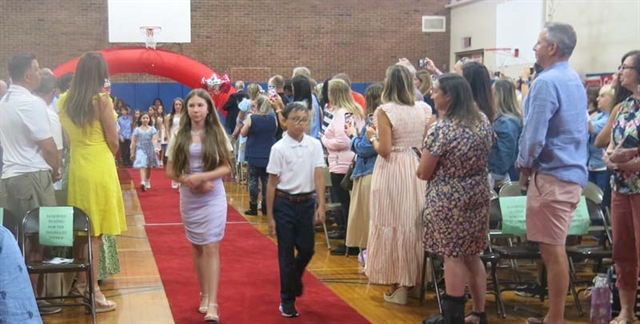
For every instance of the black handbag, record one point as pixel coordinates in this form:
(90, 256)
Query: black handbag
(347, 182)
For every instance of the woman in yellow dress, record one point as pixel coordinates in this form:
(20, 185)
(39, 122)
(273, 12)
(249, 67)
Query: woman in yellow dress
(87, 115)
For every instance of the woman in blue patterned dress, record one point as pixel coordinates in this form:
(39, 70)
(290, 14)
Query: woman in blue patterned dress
(456, 218)
(144, 146)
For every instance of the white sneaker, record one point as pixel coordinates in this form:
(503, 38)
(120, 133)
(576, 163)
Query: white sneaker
(174, 185)
(148, 184)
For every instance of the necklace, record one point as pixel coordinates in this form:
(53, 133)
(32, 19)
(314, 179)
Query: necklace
(196, 133)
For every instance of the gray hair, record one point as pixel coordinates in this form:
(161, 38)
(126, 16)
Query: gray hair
(48, 82)
(563, 35)
(301, 70)
(239, 85)
(263, 105)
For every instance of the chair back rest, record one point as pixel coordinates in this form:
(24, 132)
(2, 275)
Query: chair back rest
(327, 176)
(11, 222)
(495, 214)
(593, 192)
(510, 189)
(31, 225)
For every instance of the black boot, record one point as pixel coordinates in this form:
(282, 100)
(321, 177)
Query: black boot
(253, 210)
(452, 311)
(264, 208)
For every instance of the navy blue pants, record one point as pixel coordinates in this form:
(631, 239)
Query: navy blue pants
(258, 178)
(295, 231)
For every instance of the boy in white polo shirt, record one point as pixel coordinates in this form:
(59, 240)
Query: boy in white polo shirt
(296, 180)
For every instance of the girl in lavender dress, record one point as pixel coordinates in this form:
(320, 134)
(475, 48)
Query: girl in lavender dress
(199, 155)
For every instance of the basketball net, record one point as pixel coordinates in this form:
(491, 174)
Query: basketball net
(149, 33)
(503, 56)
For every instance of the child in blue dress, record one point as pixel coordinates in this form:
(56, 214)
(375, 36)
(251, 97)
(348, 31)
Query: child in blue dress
(144, 149)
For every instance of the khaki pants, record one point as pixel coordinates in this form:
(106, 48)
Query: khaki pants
(20, 194)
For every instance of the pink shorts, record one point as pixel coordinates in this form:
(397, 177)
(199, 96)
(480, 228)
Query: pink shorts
(551, 204)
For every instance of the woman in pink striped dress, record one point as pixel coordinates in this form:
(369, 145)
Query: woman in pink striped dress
(394, 247)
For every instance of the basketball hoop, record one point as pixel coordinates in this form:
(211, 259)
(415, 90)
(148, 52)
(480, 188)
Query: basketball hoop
(149, 33)
(503, 56)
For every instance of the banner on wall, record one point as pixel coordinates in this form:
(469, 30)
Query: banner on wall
(598, 79)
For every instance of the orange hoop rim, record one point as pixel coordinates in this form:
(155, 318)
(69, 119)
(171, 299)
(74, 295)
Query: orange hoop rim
(150, 30)
(150, 27)
(498, 49)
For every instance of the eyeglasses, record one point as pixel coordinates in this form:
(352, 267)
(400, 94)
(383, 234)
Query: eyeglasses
(626, 67)
(299, 120)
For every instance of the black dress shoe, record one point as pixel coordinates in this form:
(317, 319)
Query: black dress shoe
(342, 250)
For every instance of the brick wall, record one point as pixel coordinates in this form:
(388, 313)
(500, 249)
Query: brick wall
(250, 40)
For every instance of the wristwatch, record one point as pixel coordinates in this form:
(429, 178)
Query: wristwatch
(372, 138)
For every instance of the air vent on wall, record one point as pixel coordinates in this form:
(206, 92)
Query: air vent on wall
(432, 24)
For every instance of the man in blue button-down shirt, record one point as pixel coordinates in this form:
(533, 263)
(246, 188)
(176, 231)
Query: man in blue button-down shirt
(553, 157)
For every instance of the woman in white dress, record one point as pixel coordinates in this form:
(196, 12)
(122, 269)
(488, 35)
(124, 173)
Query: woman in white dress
(172, 123)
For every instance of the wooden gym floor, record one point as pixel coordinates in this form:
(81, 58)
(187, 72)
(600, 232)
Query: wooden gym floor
(140, 296)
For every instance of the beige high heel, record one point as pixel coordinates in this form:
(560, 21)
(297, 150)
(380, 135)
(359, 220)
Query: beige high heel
(203, 306)
(399, 296)
(212, 318)
(102, 304)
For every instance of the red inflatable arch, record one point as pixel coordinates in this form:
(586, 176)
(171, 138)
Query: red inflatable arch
(158, 62)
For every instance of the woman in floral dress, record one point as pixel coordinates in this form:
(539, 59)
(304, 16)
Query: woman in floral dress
(456, 218)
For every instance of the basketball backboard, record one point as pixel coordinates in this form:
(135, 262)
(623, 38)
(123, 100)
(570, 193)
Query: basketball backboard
(518, 24)
(127, 16)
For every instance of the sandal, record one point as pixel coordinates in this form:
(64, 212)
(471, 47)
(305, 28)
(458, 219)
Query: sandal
(203, 306)
(535, 320)
(79, 290)
(103, 305)
(620, 320)
(476, 318)
(212, 318)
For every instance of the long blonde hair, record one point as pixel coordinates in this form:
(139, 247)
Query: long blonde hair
(215, 151)
(506, 101)
(253, 90)
(87, 83)
(340, 97)
(398, 86)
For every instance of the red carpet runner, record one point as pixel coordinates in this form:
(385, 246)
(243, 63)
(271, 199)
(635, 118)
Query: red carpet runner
(249, 280)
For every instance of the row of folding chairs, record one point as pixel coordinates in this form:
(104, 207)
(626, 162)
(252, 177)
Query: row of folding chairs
(26, 230)
(515, 252)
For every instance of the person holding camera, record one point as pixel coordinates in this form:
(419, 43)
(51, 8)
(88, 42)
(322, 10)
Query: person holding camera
(622, 157)
(346, 112)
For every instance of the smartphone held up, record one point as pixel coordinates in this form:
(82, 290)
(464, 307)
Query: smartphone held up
(348, 120)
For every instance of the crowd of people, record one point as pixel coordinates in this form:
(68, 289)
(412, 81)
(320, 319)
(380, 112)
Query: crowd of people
(422, 150)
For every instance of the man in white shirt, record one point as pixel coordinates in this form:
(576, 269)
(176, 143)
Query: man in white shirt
(30, 154)
(47, 91)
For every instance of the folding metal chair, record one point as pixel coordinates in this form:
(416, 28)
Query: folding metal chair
(30, 230)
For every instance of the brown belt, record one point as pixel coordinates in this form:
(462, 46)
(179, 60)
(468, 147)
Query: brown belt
(295, 198)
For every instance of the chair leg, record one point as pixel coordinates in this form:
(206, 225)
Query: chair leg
(496, 288)
(423, 277)
(92, 293)
(435, 282)
(572, 287)
(326, 235)
(542, 290)
(514, 262)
